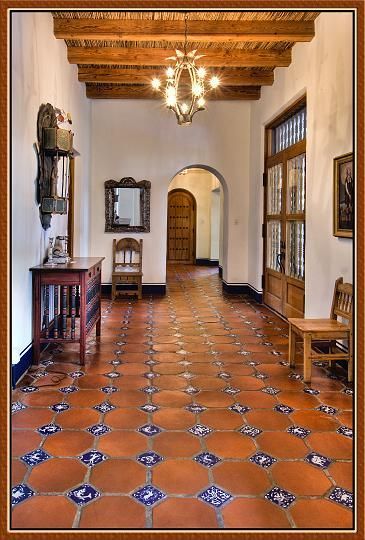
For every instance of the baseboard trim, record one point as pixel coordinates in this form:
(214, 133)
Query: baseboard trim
(220, 271)
(242, 288)
(207, 262)
(26, 360)
(147, 289)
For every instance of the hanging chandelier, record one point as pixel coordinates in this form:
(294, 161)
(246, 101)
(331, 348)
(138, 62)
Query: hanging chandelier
(185, 88)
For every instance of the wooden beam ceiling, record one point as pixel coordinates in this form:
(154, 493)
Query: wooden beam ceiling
(173, 30)
(96, 91)
(228, 77)
(153, 56)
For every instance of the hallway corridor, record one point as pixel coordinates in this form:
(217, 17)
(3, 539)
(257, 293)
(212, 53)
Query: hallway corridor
(186, 415)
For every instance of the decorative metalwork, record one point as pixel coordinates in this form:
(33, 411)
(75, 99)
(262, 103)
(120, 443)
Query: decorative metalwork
(274, 191)
(291, 131)
(296, 185)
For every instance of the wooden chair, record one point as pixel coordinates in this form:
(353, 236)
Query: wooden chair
(127, 266)
(314, 331)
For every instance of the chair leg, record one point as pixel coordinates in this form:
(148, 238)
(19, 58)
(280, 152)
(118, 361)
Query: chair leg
(113, 290)
(140, 290)
(292, 342)
(307, 343)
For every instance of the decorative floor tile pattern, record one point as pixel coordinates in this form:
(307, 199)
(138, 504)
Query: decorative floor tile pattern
(225, 398)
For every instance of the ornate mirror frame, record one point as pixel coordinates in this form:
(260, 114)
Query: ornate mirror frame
(127, 182)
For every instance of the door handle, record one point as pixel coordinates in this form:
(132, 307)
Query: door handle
(280, 257)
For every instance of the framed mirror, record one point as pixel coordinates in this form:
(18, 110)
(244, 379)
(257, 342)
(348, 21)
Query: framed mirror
(127, 205)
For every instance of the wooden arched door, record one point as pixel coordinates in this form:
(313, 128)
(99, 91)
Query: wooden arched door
(181, 218)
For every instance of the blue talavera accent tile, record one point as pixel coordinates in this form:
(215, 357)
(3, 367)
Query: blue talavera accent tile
(115, 362)
(59, 407)
(295, 376)
(327, 409)
(191, 390)
(149, 408)
(104, 407)
(150, 389)
(276, 353)
(17, 406)
(46, 363)
(311, 391)
(29, 389)
(112, 375)
(318, 460)
(20, 493)
(149, 458)
(267, 343)
(348, 391)
(283, 363)
(49, 429)
(284, 409)
(92, 458)
(252, 363)
(261, 376)
(149, 430)
(280, 497)
(109, 389)
(151, 362)
(232, 391)
(244, 353)
(298, 431)
(69, 389)
(270, 390)
(346, 431)
(148, 495)
(342, 496)
(83, 494)
(251, 431)
(195, 408)
(263, 460)
(76, 374)
(35, 457)
(98, 429)
(218, 363)
(200, 430)
(215, 496)
(238, 408)
(187, 375)
(150, 375)
(320, 363)
(207, 459)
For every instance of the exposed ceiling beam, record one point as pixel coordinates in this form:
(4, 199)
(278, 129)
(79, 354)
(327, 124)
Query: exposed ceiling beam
(156, 56)
(146, 92)
(228, 77)
(201, 31)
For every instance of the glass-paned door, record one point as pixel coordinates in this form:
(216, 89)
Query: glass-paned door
(284, 227)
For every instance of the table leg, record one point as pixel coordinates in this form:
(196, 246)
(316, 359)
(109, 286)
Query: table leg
(292, 342)
(307, 343)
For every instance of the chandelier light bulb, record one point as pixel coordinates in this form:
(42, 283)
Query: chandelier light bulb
(184, 108)
(156, 83)
(214, 82)
(170, 72)
(201, 102)
(197, 89)
(201, 73)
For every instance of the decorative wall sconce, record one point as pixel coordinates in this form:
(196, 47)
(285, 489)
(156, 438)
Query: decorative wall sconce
(55, 143)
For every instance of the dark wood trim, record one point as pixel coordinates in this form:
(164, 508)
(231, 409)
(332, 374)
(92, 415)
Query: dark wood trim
(207, 262)
(71, 209)
(173, 30)
(147, 289)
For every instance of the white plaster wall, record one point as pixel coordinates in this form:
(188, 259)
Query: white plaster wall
(199, 183)
(141, 139)
(40, 74)
(215, 220)
(323, 70)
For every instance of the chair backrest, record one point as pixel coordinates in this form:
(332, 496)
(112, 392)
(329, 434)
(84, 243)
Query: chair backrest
(342, 300)
(127, 252)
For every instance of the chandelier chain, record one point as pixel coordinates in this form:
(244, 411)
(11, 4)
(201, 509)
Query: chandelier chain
(186, 33)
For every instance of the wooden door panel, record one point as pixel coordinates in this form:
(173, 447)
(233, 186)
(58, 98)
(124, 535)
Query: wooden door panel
(181, 227)
(294, 298)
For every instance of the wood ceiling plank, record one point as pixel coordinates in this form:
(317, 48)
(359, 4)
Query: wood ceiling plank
(146, 92)
(201, 31)
(228, 77)
(151, 56)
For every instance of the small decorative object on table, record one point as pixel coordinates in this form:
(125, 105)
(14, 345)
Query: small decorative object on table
(343, 196)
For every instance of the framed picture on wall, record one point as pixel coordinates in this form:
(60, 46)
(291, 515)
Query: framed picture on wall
(343, 195)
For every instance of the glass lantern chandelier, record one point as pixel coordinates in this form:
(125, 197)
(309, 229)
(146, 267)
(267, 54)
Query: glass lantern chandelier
(185, 88)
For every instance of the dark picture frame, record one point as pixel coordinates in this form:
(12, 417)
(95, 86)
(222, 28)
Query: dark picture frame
(343, 196)
(110, 187)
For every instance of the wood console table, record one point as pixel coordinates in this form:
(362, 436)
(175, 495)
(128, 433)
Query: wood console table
(62, 294)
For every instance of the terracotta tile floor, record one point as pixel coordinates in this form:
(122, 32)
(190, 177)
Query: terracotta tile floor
(186, 415)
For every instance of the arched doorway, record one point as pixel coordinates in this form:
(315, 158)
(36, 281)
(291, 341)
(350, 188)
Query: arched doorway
(181, 227)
